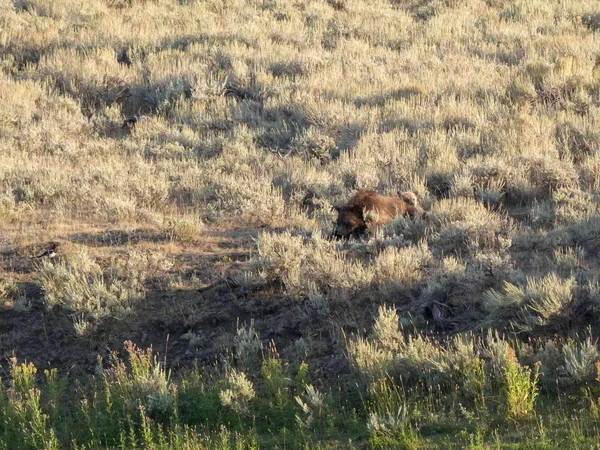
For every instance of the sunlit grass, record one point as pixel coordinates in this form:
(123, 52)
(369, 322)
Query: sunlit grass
(257, 114)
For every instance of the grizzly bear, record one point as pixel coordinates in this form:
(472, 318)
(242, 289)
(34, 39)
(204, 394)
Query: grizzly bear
(367, 209)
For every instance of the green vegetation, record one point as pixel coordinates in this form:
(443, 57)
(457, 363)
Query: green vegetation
(200, 228)
(402, 392)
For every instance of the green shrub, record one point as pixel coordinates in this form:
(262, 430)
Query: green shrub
(24, 423)
(521, 390)
(278, 388)
(389, 417)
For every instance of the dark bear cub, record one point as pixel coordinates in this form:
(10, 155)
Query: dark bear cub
(368, 209)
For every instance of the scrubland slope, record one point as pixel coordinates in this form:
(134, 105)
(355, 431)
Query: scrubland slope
(255, 118)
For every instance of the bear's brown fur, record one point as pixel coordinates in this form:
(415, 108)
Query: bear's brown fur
(368, 209)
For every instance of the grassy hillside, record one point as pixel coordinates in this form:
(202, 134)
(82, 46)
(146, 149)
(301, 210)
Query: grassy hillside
(202, 229)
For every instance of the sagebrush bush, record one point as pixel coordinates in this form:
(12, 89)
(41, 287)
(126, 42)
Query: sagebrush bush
(389, 415)
(581, 359)
(247, 344)
(144, 382)
(386, 329)
(396, 271)
(552, 368)
(465, 227)
(418, 359)
(82, 286)
(312, 404)
(498, 353)
(541, 303)
(297, 262)
(238, 393)
(13, 292)
(315, 266)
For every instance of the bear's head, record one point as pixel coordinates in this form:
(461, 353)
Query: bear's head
(409, 197)
(350, 222)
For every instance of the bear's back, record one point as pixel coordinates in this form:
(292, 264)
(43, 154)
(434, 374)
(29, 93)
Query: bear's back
(372, 201)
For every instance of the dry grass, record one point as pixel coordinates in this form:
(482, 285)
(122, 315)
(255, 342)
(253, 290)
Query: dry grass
(487, 110)
(202, 228)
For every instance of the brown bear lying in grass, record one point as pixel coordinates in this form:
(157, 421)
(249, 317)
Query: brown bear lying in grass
(368, 209)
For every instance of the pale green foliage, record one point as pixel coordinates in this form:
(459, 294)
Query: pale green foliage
(238, 393)
(317, 301)
(549, 297)
(316, 266)
(9, 289)
(389, 414)
(386, 329)
(374, 356)
(499, 354)
(313, 144)
(257, 112)
(552, 368)
(82, 326)
(386, 352)
(497, 302)
(574, 205)
(82, 286)
(540, 303)
(462, 185)
(12, 291)
(235, 196)
(370, 358)
(467, 227)
(388, 423)
(397, 270)
(304, 266)
(145, 383)
(569, 260)
(275, 122)
(312, 404)
(183, 228)
(247, 343)
(194, 339)
(283, 83)
(467, 365)
(580, 360)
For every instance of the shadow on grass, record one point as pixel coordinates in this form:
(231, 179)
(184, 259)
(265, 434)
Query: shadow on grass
(183, 321)
(118, 237)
